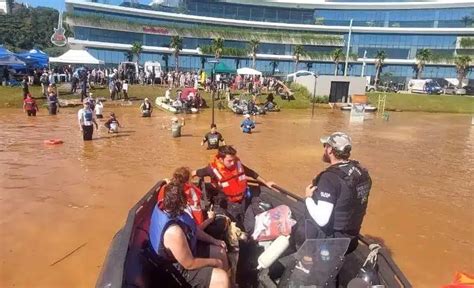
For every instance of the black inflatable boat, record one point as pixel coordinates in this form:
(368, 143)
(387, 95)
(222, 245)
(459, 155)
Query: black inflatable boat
(129, 264)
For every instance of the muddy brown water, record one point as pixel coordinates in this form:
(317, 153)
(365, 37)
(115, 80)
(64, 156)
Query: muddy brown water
(54, 199)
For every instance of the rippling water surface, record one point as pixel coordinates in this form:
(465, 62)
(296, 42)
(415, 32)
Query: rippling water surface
(54, 199)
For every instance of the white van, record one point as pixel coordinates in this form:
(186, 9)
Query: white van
(425, 86)
(152, 66)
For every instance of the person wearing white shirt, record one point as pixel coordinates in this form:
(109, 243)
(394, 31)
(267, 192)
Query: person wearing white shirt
(99, 108)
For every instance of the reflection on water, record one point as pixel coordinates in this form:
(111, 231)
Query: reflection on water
(55, 198)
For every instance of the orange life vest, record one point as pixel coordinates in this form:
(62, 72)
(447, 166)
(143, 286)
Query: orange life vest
(232, 182)
(193, 197)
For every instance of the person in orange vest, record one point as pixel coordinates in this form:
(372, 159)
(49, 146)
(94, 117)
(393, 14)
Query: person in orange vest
(182, 177)
(229, 176)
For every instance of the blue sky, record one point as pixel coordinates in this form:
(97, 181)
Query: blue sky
(57, 4)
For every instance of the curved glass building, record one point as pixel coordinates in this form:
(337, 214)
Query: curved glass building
(400, 29)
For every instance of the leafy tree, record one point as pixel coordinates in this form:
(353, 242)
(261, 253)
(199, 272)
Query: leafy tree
(379, 62)
(337, 56)
(297, 53)
(253, 47)
(218, 47)
(462, 67)
(423, 56)
(177, 45)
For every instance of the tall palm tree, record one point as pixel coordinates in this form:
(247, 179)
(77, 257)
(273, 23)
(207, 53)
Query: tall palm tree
(165, 58)
(297, 53)
(218, 47)
(467, 21)
(274, 65)
(462, 63)
(423, 56)
(253, 47)
(136, 50)
(237, 63)
(177, 45)
(379, 61)
(337, 56)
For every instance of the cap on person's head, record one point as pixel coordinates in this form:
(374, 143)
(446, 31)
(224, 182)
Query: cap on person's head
(246, 116)
(146, 99)
(337, 140)
(174, 119)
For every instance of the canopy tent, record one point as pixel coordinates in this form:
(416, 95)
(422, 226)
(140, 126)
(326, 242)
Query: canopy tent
(7, 60)
(248, 71)
(222, 68)
(35, 58)
(76, 57)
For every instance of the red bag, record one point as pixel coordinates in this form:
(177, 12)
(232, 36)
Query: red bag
(273, 223)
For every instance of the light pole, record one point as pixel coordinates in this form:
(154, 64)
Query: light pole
(348, 47)
(363, 64)
(214, 62)
(314, 94)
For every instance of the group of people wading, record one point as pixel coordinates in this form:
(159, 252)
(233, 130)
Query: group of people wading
(336, 202)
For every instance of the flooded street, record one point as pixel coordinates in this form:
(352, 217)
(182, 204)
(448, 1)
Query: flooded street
(54, 199)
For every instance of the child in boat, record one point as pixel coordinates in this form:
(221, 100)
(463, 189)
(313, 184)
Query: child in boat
(112, 123)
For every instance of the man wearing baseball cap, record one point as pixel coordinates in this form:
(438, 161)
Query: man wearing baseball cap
(336, 201)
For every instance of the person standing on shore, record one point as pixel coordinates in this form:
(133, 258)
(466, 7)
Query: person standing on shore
(86, 120)
(24, 86)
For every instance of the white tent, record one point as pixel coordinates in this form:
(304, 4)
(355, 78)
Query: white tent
(76, 57)
(248, 71)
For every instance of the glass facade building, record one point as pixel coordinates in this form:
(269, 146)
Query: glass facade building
(400, 30)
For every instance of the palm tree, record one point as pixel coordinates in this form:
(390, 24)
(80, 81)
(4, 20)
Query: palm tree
(467, 21)
(136, 50)
(217, 46)
(274, 65)
(128, 55)
(165, 58)
(422, 57)
(237, 63)
(177, 45)
(379, 61)
(462, 63)
(337, 56)
(297, 53)
(253, 47)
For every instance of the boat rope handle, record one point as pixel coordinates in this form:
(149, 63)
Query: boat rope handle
(372, 257)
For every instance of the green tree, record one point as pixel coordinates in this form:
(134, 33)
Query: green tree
(462, 67)
(337, 56)
(297, 53)
(218, 47)
(423, 56)
(253, 48)
(379, 62)
(177, 45)
(136, 50)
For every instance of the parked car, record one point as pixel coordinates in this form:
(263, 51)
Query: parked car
(451, 89)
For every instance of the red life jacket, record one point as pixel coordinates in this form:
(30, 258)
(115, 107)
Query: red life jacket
(232, 182)
(193, 197)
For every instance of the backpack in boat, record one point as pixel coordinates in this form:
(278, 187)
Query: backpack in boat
(256, 207)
